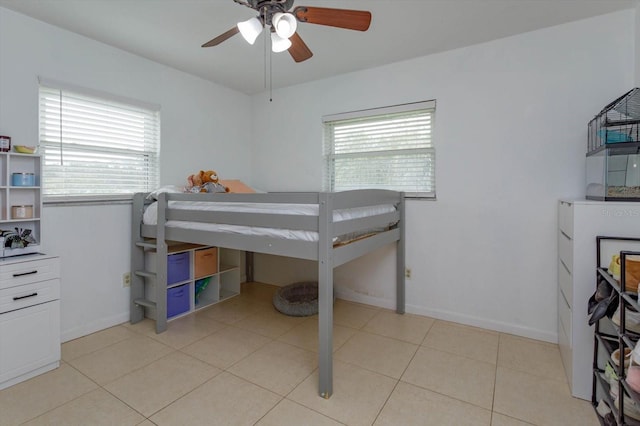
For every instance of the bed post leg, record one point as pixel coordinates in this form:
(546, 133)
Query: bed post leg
(248, 258)
(400, 260)
(161, 266)
(325, 296)
(136, 312)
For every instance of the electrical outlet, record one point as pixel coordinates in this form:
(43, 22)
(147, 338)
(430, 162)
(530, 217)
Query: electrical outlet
(126, 279)
(407, 273)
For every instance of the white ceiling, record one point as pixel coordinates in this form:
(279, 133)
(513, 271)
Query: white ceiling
(171, 32)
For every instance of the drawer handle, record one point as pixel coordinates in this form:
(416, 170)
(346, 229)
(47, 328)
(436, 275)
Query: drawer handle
(25, 273)
(208, 255)
(24, 297)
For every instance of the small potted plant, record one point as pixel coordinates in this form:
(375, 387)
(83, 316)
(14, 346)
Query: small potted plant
(21, 238)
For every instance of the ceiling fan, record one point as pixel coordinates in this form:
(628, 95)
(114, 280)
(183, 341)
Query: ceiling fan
(282, 21)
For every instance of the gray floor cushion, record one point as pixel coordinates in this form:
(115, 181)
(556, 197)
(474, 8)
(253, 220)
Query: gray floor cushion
(297, 299)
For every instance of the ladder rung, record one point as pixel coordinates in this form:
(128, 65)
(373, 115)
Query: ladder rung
(146, 246)
(145, 274)
(145, 302)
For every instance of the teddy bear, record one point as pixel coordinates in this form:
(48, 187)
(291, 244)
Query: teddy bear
(211, 182)
(205, 181)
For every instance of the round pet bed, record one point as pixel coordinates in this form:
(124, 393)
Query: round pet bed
(298, 299)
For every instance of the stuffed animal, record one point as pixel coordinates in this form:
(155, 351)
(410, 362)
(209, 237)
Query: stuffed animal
(194, 180)
(205, 181)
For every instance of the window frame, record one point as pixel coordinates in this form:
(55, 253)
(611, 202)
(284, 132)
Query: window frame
(115, 100)
(328, 156)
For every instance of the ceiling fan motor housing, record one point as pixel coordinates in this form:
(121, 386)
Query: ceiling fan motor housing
(267, 8)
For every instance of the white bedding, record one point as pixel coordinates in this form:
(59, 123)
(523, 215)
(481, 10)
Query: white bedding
(150, 217)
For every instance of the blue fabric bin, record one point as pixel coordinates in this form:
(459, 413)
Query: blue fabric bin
(177, 300)
(177, 268)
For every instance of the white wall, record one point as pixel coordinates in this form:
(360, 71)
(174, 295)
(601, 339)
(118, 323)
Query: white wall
(510, 136)
(637, 43)
(202, 128)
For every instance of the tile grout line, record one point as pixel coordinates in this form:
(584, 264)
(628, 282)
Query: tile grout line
(397, 382)
(495, 379)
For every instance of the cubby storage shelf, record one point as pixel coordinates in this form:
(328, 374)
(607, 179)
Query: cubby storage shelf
(219, 267)
(15, 195)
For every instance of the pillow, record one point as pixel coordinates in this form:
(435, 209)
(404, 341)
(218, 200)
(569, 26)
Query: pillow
(153, 195)
(237, 186)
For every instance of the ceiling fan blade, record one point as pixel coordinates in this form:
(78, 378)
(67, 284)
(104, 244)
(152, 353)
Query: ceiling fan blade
(299, 50)
(222, 37)
(342, 18)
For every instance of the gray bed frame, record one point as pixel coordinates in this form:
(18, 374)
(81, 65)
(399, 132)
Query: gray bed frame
(323, 251)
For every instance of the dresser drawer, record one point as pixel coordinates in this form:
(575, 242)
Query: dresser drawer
(565, 218)
(566, 353)
(29, 342)
(565, 251)
(28, 295)
(565, 282)
(564, 312)
(29, 271)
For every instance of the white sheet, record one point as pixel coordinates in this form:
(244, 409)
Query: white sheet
(150, 217)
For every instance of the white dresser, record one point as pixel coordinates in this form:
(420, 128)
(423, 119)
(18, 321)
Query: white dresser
(579, 222)
(29, 317)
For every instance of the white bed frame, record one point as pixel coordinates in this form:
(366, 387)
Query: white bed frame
(323, 251)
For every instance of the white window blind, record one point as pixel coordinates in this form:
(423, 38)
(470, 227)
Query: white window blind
(96, 148)
(383, 148)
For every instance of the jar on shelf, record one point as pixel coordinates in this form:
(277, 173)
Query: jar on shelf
(22, 212)
(5, 143)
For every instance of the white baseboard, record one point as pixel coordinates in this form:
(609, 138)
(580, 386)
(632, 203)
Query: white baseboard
(353, 296)
(488, 324)
(485, 323)
(92, 327)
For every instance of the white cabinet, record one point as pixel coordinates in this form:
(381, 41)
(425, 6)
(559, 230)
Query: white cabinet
(579, 222)
(20, 198)
(29, 317)
(197, 276)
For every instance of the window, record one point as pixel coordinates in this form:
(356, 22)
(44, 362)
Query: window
(96, 147)
(383, 148)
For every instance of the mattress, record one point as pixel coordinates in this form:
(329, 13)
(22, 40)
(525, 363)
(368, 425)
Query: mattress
(150, 217)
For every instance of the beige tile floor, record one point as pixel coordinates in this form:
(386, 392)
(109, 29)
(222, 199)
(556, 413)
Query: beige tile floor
(243, 363)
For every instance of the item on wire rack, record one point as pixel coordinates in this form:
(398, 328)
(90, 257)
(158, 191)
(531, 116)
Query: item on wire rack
(615, 356)
(605, 307)
(631, 271)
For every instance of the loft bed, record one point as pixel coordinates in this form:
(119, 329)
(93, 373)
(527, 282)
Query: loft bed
(312, 224)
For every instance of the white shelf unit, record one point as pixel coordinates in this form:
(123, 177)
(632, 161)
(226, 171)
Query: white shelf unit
(579, 223)
(219, 266)
(11, 195)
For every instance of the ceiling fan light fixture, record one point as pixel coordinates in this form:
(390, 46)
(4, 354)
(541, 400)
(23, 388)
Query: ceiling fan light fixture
(250, 29)
(279, 44)
(285, 24)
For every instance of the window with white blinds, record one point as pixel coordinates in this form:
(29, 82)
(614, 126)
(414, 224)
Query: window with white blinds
(96, 148)
(383, 148)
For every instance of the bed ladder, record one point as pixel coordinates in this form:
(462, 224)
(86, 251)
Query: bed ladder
(142, 281)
